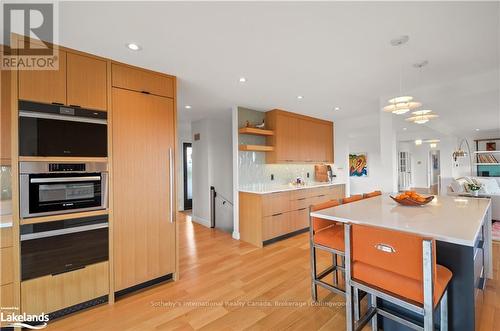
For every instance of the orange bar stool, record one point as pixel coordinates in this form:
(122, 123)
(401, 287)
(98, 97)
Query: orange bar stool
(352, 198)
(372, 194)
(397, 267)
(328, 236)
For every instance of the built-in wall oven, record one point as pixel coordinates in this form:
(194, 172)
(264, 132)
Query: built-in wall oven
(56, 130)
(48, 188)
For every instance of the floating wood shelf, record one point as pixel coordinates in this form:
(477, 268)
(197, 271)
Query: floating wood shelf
(256, 148)
(256, 131)
(486, 152)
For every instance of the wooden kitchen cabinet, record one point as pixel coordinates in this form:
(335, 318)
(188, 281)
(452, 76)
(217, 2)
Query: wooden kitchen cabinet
(144, 218)
(46, 86)
(86, 82)
(298, 138)
(142, 81)
(266, 217)
(5, 117)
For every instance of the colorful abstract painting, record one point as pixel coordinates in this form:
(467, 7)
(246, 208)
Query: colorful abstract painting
(358, 165)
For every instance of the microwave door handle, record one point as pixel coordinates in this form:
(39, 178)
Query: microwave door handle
(171, 184)
(65, 179)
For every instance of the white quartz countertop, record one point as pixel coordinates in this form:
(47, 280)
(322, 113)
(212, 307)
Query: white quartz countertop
(450, 219)
(273, 188)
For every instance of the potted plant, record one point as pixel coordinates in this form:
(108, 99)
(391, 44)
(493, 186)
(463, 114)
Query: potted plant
(474, 189)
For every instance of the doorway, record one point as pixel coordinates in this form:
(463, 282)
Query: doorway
(187, 153)
(404, 167)
(434, 172)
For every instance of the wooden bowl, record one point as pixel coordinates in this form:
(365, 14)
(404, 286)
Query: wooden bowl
(411, 202)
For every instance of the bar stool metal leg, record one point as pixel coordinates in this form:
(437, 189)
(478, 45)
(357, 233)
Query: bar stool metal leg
(314, 287)
(428, 287)
(335, 271)
(373, 303)
(443, 307)
(348, 289)
(355, 298)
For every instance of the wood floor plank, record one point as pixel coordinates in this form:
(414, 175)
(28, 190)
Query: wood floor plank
(227, 284)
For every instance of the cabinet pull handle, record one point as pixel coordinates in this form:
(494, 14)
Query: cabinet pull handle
(68, 270)
(75, 106)
(145, 92)
(301, 209)
(58, 103)
(171, 184)
(301, 199)
(322, 195)
(278, 214)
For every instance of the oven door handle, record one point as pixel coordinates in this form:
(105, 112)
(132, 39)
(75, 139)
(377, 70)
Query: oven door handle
(65, 179)
(53, 233)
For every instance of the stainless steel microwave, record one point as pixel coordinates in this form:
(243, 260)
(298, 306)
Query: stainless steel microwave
(58, 188)
(56, 130)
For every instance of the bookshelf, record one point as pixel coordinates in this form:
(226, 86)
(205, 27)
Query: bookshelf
(487, 157)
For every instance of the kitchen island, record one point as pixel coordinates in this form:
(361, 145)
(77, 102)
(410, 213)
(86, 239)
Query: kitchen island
(462, 230)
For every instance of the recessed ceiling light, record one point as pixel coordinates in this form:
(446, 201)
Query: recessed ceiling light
(243, 79)
(133, 47)
(187, 106)
(404, 129)
(337, 108)
(433, 145)
(477, 129)
(300, 97)
(418, 142)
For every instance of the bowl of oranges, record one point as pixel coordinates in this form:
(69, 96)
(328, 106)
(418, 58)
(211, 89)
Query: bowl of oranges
(412, 198)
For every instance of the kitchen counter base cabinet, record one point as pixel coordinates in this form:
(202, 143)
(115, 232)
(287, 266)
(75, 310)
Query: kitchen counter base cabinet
(52, 293)
(266, 218)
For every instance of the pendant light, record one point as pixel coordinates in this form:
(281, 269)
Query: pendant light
(421, 116)
(403, 103)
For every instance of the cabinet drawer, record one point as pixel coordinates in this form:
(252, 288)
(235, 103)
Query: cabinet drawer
(142, 81)
(51, 293)
(6, 237)
(275, 203)
(300, 219)
(7, 295)
(302, 203)
(7, 265)
(276, 225)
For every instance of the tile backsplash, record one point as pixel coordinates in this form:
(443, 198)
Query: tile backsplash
(254, 170)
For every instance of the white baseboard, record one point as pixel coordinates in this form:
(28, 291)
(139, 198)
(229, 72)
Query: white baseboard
(201, 221)
(236, 235)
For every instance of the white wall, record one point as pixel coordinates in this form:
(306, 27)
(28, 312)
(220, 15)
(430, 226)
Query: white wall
(201, 171)
(183, 136)
(212, 164)
(372, 134)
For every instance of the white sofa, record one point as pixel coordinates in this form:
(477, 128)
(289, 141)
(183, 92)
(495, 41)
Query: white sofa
(490, 188)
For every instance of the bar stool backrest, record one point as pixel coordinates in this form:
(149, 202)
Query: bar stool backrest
(372, 194)
(318, 223)
(352, 198)
(393, 251)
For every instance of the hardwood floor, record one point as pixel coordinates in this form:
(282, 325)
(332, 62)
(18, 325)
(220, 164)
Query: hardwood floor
(219, 275)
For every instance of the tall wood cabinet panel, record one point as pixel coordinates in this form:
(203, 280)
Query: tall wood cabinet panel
(144, 236)
(298, 138)
(86, 82)
(47, 86)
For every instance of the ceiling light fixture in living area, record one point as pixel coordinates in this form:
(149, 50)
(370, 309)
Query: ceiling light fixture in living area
(133, 47)
(421, 116)
(403, 103)
(418, 142)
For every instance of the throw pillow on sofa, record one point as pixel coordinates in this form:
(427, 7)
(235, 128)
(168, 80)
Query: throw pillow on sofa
(488, 185)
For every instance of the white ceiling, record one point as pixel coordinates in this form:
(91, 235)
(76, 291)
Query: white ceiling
(334, 54)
